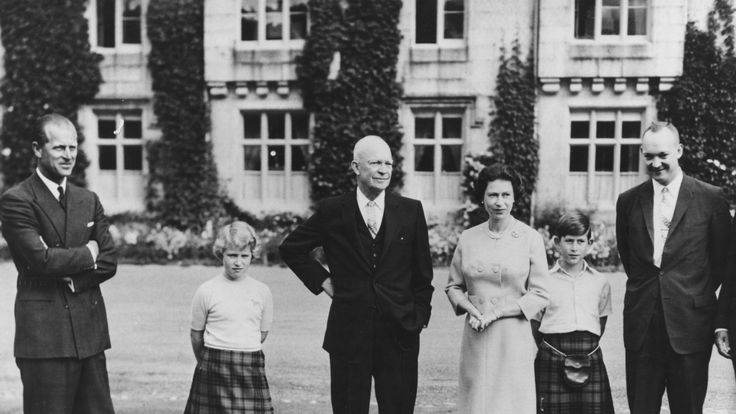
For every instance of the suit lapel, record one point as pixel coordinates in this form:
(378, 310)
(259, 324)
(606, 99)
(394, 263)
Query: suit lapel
(349, 224)
(646, 195)
(75, 219)
(390, 222)
(50, 206)
(684, 199)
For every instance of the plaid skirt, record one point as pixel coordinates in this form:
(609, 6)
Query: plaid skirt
(556, 397)
(229, 382)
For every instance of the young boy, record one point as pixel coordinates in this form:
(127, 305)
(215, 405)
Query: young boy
(570, 374)
(231, 317)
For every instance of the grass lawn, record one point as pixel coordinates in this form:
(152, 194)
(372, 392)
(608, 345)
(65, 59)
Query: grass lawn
(151, 362)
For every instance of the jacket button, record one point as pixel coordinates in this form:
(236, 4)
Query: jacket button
(661, 274)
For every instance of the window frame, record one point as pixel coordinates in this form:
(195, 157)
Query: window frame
(623, 23)
(261, 41)
(119, 45)
(593, 116)
(288, 142)
(437, 112)
(440, 40)
(120, 141)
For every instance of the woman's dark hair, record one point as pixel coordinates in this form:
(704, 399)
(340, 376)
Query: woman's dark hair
(495, 172)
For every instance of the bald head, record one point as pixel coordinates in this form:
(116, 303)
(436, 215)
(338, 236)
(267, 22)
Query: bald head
(372, 164)
(52, 124)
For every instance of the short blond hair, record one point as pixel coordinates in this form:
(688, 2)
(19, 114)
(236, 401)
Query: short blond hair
(237, 235)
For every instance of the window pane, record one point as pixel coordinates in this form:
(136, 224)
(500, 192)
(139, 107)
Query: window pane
(274, 19)
(106, 128)
(452, 127)
(106, 23)
(132, 22)
(107, 159)
(276, 157)
(424, 127)
(637, 21)
(133, 128)
(584, 19)
(611, 17)
(454, 19)
(276, 126)
(252, 158)
(299, 125)
(451, 158)
(249, 20)
(630, 129)
(579, 129)
(133, 157)
(252, 125)
(629, 158)
(578, 158)
(604, 158)
(424, 158)
(426, 21)
(605, 129)
(298, 21)
(299, 156)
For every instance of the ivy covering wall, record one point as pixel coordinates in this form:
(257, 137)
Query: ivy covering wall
(513, 140)
(364, 97)
(49, 67)
(183, 186)
(702, 102)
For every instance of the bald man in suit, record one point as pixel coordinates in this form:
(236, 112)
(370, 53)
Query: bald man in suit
(58, 237)
(379, 279)
(672, 233)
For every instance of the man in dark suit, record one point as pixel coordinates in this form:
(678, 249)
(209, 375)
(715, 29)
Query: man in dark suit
(380, 279)
(58, 237)
(726, 321)
(672, 233)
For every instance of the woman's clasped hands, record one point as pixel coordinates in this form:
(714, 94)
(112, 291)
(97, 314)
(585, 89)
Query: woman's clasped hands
(479, 322)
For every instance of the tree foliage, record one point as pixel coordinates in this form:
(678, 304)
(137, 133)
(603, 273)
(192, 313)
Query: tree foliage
(183, 186)
(364, 97)
(49, 67)
(702, 102)
(513, 141)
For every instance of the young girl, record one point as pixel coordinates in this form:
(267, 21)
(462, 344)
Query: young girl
(570, 374)
(231, 316)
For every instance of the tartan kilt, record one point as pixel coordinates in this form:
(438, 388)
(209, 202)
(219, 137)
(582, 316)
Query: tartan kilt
(229, 382)
(556, 397)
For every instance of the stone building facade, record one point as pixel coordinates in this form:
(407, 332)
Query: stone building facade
(598, 63)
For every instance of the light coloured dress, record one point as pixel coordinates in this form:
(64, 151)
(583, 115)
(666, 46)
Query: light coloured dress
(497, 365)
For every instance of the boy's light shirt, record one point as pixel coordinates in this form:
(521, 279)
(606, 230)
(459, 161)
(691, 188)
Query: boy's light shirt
(576, 302)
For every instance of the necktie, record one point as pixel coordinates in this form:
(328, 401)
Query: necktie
(62, 199)
(666, 209)
(371, 213)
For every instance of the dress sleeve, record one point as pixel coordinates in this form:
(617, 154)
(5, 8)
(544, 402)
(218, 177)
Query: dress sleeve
(267, 314)
(605, 308)
(456, 288)
(199, 309)
(536, 298)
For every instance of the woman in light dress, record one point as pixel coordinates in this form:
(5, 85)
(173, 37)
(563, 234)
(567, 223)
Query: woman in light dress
(497, 279)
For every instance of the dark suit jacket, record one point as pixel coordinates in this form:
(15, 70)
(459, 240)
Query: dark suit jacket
(692, 268)
(727, 299)
(47, 244)
(399, 289)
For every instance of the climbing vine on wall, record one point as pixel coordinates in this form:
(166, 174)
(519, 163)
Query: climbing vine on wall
(362, 97)
(513, 140)
(183, 186)
(49, 67)
(702, 102)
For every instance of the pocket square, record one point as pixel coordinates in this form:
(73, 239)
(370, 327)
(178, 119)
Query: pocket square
(90, 224)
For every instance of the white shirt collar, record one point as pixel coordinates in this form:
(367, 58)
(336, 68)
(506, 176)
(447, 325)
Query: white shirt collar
(674, 186)
(557, 268)
(363, 200)
(52, 186)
